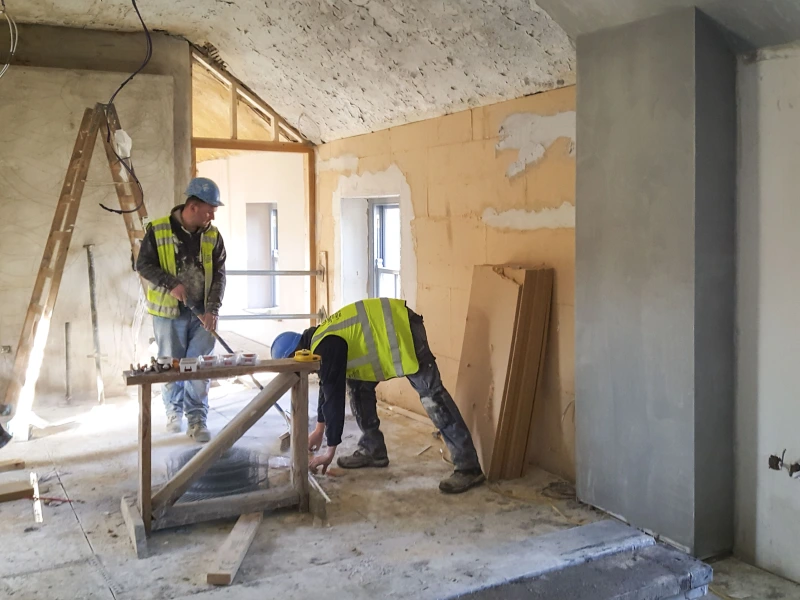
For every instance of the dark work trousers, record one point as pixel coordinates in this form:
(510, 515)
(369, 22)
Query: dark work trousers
(435, 399)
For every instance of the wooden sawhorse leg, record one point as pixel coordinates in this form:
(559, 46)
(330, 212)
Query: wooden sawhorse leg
(300, 440)
(137, 513)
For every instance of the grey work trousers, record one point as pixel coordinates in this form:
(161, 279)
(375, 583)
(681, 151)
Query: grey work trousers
(436, 401)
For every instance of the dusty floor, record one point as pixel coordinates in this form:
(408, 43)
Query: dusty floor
(390, 532)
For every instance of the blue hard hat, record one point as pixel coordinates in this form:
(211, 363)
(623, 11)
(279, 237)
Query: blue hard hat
(204, 189)
(285, 345)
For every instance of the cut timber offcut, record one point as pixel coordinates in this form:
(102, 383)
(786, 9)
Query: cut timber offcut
(11, 465)
(15, 490)
(233, 551)
(501, 362)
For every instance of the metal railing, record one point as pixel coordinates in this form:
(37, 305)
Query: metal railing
(274, 316)
(257, 273)
(320, 316)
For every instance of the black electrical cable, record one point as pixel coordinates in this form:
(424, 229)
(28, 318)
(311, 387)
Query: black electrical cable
(129, 168)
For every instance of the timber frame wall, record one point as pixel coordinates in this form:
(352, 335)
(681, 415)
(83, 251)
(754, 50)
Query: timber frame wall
(285, 138)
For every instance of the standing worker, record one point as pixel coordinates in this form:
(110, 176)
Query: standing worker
(182, 257)
(360, 346)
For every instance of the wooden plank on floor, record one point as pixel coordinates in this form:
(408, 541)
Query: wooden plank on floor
(11, 465)
(15, 490)
(233, 551)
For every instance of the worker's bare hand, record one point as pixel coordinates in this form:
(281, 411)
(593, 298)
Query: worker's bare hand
(315, 438)
(179, 293)
(323, 460)
(209, 321)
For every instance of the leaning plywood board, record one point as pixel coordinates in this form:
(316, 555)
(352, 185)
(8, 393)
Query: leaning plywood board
(233, 551)
(486, 355)
(524, 377)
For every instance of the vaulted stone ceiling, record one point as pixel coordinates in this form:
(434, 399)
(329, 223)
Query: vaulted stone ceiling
(336, 68)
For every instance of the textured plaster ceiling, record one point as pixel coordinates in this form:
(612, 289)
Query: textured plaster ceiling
(336, 68)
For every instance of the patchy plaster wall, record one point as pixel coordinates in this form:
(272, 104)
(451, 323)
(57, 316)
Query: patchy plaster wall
(41, 110)
(463, 205)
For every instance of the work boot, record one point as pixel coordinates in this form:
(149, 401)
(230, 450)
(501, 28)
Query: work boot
(5, 437)
(461, 481)
(199, 432)
(359, 459)
(174, 423)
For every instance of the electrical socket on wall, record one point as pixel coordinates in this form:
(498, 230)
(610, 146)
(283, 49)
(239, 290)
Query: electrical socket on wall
(5, 349)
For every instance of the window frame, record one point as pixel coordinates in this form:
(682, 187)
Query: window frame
(375, 211)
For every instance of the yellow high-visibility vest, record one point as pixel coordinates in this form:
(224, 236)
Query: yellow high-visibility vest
(159, 301)
(378, 336)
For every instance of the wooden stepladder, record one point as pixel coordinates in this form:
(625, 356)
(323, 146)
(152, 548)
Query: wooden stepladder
(35, 329)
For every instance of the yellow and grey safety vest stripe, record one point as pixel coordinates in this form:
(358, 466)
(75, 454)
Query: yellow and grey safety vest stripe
(394, 345)
(371, 357)
(159, 301)
(163, 233)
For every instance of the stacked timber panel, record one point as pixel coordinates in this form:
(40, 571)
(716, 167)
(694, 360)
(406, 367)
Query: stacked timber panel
(502, 362)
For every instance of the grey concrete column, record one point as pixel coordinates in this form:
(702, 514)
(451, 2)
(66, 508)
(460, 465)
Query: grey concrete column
(655, 242)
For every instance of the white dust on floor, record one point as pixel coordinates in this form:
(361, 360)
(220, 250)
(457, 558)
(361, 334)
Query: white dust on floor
(390, 532)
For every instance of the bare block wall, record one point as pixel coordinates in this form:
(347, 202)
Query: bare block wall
(491, 185)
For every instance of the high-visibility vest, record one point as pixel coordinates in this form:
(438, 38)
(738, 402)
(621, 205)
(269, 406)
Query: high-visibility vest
(159, 301)
(378, 336)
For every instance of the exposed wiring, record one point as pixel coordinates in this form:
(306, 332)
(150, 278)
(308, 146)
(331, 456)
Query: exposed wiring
(128, 165)
(13, 34)
(148, 54)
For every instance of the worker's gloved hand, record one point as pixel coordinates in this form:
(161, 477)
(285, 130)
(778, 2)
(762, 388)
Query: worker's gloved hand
(323, 460)
(179, 293)
(209, 321)
(315, 438)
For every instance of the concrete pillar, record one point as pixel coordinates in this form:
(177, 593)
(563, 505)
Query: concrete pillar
(655, 242)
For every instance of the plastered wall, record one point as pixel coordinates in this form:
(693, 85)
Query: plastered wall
(41, 111)
(490, 185)
(767, 408)
(117, 52)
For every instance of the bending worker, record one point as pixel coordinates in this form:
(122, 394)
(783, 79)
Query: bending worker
(360, 346)
(182, 257)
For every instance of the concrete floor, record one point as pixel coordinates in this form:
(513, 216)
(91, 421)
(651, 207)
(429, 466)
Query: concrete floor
(390, 533)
